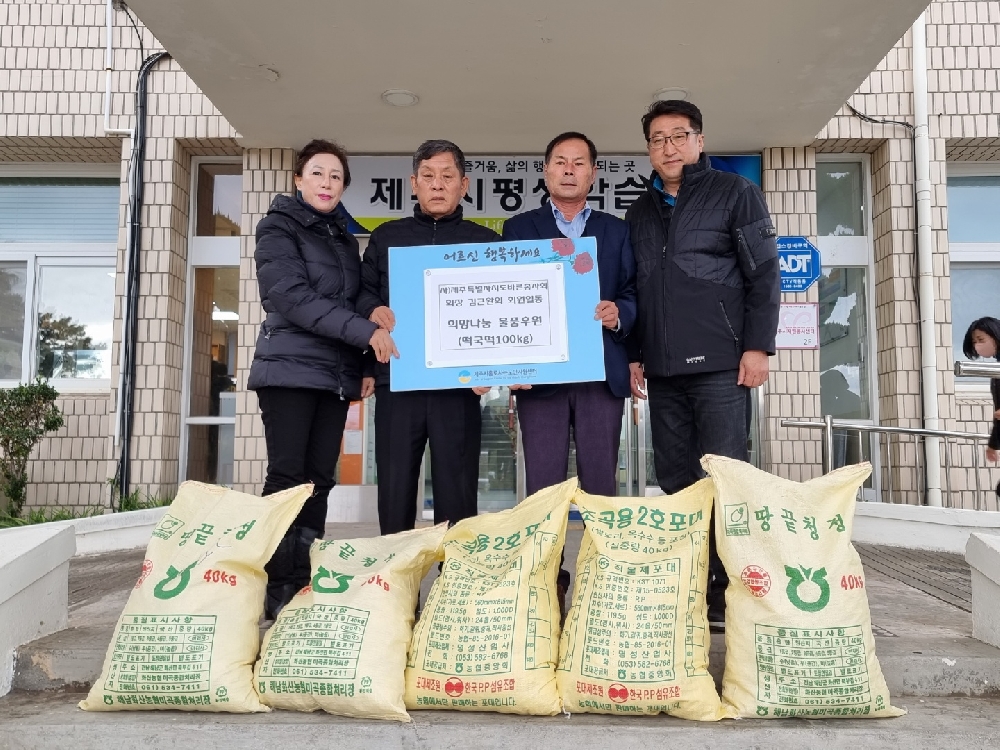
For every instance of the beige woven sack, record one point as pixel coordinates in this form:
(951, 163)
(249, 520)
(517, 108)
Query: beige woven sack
(636, 638)
(487, 639)
(188, 637)
(798, 629)
(340, 644)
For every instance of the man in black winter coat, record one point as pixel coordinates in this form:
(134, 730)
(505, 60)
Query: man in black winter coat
(708, 295)
(404, 421)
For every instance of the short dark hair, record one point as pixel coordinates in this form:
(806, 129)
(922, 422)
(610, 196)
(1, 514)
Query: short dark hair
(671, 107)
(430, 149)
(319, 146)
(571, 135)
(989, 326)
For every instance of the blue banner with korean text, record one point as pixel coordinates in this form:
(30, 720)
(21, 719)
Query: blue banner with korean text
(499, 313)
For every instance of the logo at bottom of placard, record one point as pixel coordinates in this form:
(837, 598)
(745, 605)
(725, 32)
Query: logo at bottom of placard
(618, 693)
(756, 579)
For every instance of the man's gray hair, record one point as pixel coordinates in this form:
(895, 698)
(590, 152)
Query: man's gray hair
(430, 149)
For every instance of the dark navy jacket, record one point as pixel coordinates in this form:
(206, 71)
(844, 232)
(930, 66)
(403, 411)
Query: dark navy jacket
(616, 268)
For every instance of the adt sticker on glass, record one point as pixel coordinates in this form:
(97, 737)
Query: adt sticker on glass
(496, 314)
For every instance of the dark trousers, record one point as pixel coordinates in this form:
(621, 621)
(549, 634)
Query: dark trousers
(691, 415)
(303, 428)
(595, 415)
(451, 420)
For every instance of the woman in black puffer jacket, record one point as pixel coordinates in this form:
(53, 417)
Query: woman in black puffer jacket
(307, 366)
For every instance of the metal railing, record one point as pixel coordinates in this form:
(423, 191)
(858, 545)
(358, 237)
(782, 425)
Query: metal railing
(889, 474)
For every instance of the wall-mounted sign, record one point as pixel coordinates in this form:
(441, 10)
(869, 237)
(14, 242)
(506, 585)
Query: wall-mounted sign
(502, 186)
(799, 262)
(798, 326)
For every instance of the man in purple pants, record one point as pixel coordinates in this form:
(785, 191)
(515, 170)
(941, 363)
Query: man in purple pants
(592, 410)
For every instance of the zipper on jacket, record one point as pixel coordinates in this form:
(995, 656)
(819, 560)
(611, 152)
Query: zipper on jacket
(725, 316)
(742, 241)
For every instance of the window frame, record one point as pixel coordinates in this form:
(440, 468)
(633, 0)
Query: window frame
(203, 252)
(36, 255)
(971, 255)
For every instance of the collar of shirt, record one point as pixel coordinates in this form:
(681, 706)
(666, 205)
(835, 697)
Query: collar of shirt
(658, 184)
(574, 228)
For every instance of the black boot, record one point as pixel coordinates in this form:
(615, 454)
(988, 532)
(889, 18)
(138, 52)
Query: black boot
(288, 570)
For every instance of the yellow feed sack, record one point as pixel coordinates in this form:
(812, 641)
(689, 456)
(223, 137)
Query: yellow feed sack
(798, 628)
(487, 639)
(636, 637)
(340, 644)
(188, 637)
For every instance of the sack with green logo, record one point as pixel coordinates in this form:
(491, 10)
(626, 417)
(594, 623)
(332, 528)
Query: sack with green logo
(798, 629)
(188, 637)
(488, 638)
(636, 637)
(340, 644)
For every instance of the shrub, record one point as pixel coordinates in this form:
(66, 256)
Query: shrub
(27, 412)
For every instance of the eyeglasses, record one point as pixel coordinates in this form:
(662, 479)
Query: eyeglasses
(678, 139)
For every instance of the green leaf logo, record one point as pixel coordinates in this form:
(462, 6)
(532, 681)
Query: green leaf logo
(798, 576)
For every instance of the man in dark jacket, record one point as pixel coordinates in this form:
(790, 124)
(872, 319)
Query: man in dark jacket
(405, 421)
(709, 293)
(593, 410)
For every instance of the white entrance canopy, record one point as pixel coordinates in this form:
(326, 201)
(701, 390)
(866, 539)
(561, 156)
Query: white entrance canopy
(504, 77)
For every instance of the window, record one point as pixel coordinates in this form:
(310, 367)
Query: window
(974, 242)
(208, 440)
(58, 239)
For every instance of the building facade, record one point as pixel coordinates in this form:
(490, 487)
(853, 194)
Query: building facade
(65, 198)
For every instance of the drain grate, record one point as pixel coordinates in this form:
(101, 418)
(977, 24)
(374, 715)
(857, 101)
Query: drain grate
(941, 575)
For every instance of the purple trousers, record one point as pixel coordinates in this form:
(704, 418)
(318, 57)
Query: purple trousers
(594, 413)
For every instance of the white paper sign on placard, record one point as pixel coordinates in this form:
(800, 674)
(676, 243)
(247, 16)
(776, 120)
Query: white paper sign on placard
(798, 326)
(497, 316)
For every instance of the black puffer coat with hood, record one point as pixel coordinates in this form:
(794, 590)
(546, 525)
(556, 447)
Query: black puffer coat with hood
(309, 274)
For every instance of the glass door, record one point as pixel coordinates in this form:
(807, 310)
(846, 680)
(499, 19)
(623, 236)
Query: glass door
(846, 313)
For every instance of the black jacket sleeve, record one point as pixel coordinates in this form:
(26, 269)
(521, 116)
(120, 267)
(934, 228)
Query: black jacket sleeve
(755, 239)
(626, 298)
(283, 281)
(374, 277)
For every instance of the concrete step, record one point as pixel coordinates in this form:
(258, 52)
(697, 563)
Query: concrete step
(32, 721)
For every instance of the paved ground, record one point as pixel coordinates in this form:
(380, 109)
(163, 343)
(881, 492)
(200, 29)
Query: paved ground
(51, 720)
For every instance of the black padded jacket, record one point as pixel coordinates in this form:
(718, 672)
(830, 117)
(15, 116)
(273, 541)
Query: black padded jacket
(309, 275)
(707, 274)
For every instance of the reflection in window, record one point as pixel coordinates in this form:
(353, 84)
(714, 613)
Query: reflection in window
(13, 283)
(840, 204)
(843, 335)
(972, 209)
(213, 352)
(220, 195)
(75, 314)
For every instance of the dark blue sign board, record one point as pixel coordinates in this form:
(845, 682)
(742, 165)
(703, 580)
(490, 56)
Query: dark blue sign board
(800, 263)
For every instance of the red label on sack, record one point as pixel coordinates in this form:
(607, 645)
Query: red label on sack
(756, 579)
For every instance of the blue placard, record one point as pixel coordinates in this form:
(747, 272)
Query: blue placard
(799, 262)
(496, 314)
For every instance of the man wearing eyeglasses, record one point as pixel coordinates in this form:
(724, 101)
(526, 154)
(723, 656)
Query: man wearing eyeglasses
(708, 298)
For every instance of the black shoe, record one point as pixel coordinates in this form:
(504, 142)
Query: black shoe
(717, 612)
(288, 570)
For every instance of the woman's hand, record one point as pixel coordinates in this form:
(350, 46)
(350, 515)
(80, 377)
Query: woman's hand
(383, 345)
(384, 318)
(479, 390)
(992, 455)
(367, 387)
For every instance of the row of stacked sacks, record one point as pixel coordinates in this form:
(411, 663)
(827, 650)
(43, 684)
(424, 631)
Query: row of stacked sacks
(635, 640)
